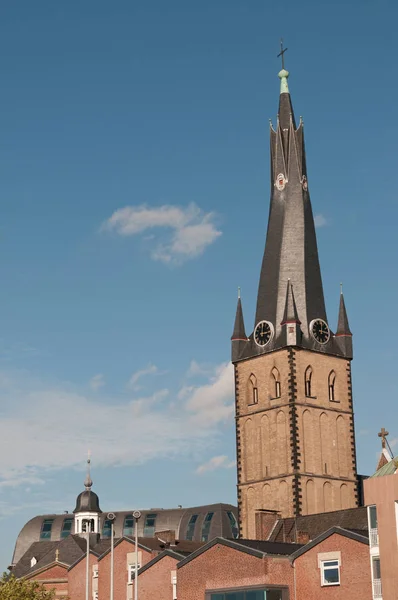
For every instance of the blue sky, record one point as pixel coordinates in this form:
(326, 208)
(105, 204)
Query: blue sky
(134, 191)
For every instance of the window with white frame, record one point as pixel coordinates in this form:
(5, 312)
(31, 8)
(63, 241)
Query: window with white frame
(330, 572)
(95, 572)
(95, 595)
(131, 569)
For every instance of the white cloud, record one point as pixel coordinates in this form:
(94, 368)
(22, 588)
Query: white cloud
(320, 221)
(199, 369)
(213, 402)
(217, 462)
(149, 370)
(49, 427)
(192, 230)
(97, 382)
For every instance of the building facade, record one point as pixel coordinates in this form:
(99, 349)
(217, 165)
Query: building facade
(381, 497)
(294, 409)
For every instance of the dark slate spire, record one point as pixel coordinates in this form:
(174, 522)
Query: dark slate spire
(239, 337)
(343, 333)
(291, 249)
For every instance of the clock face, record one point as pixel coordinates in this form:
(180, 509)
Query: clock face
(263, 333)
(320, 331)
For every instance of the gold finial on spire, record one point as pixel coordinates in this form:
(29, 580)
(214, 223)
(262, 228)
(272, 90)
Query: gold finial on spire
(341, 288)
(383, 433)
(238, 293)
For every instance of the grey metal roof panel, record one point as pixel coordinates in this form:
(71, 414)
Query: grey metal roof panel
(175, 519)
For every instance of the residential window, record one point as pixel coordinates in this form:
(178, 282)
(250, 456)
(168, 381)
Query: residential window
(331, 384)
(234, 524)
(206, 527)
(45, 533)
(330, 572)
(191, 527)
(377, 591)
(149, 526)
(95, 572)
(373, 530)
(131, 572)
(277, 383)
(95, 595)
(128, 527)
(376, 567)
(107, 529)
(66, 528)
(307, 382)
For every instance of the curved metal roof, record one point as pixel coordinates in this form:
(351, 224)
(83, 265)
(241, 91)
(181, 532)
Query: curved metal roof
(151, 521)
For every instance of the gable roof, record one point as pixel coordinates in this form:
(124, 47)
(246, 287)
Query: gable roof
(157, 558)
(388, 468)
(355, 519)
(37, 550)
(256, 548)
(339, 530)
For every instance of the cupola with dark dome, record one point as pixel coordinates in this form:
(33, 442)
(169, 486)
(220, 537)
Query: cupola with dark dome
(87, 509)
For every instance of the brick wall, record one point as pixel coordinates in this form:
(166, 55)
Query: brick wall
(221, 567)
(123, 554)
(155, 583)
(77, 579)
(354, 571)
(296, 454)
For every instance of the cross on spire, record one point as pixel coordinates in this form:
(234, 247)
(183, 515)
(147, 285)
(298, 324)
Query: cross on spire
(383, 433)
(282, 53)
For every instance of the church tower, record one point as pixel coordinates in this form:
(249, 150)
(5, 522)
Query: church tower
(294, 412)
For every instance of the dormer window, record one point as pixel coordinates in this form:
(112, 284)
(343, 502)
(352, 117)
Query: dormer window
(33, 561)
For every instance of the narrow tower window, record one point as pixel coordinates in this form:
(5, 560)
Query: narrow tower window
(331, 382)
(307, 382)
(276, 382)
(252, 391)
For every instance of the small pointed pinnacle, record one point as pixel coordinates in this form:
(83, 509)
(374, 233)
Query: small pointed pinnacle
(290, 314)
(343, 327)
(239, 326)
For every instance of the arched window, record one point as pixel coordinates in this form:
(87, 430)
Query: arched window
(331, 382)
(307, 382)
(276, 382)
(252, 391)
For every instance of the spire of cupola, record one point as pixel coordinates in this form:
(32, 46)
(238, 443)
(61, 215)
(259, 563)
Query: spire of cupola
(88, 482)
(291, 322)
(239, 337)
(343, 334)
(87, 509)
